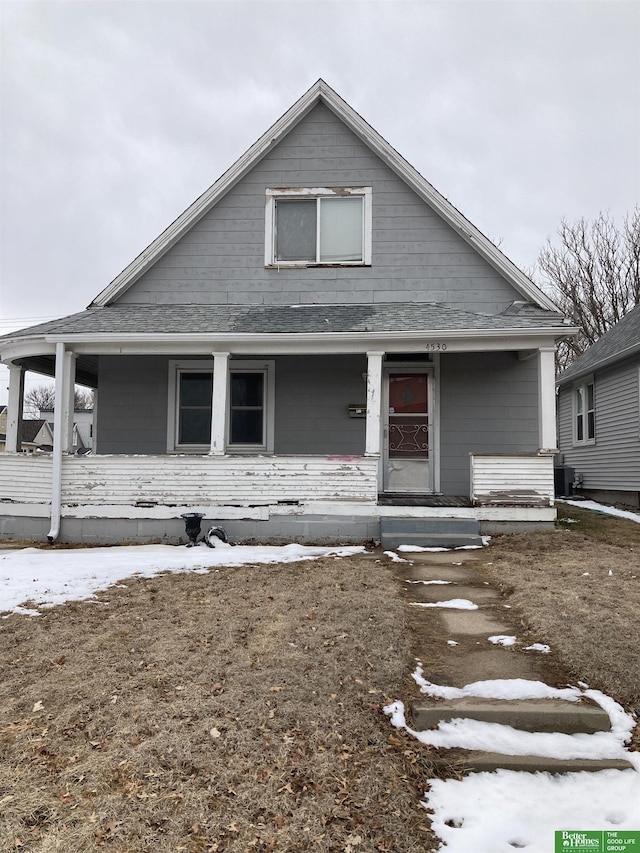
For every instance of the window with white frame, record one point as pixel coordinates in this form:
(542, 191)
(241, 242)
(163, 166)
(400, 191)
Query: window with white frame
(584, 411)
(321, 225)
(249, 418)
(190, 394)
(250, 410)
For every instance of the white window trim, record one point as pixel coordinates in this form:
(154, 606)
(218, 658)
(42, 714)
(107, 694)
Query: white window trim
(254, 366)
(316, 192)
(175, 368)
(582, 384)
(204, 366)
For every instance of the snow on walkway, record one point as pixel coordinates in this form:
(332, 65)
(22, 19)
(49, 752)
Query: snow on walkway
(505, 810)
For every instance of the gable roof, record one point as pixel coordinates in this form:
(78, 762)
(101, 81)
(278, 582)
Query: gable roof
(620, 342)
(31, 427)
(320, 92)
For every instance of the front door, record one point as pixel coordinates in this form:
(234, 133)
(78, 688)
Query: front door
(408, 431)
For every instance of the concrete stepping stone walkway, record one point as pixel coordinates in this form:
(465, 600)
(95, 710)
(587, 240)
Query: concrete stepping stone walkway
(453, 642)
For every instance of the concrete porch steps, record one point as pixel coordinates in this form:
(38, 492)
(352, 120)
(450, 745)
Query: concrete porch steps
(429, 532)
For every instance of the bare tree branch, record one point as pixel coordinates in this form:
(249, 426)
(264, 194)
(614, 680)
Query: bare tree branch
(43, 397)
(593, 276)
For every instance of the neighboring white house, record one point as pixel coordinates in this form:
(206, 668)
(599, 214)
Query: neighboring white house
(321, 347)
(82, 428)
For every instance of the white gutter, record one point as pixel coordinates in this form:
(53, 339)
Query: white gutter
(58, 443)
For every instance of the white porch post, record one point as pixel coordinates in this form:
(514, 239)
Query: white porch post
(64, 363)
(14, 408)
(374, 403)
(219, 403)
(547, 400)
(68, 400)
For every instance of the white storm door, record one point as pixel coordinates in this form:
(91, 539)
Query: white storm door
(408, 431)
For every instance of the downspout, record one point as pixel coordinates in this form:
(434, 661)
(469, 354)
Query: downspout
(58, 444)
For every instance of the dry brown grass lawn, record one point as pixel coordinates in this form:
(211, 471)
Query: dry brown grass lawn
(578, 586)
(241, 710)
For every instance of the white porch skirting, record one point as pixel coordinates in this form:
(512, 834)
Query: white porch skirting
(189, 481)
(141, 498)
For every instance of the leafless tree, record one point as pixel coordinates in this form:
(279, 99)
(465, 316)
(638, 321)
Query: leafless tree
(593, 276)
(43, 397)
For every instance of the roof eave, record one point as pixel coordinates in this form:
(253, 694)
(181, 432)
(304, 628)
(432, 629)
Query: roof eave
(622, 355)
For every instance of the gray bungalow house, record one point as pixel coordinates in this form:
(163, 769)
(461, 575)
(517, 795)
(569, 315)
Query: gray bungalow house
(599, 415)
(320, 348)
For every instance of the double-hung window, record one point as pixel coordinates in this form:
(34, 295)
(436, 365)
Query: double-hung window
(190, 393)
(584, 410)
(249, 418)
(250, 406)
(316, 226)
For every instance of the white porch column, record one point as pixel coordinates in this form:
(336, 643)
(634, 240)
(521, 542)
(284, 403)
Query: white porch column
(68, 397)
(219, 403)
(14, 408)
(547, 399)
(60, 434)
(374, 403)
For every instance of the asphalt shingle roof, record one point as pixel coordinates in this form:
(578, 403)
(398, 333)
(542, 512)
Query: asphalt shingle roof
(621, 341)
(291, 319)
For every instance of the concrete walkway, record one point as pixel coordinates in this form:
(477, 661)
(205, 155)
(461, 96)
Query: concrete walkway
(454, 649)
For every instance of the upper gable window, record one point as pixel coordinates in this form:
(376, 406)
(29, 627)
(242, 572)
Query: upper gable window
(306, 227)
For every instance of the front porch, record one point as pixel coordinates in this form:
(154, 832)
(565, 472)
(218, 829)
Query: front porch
(133, 498)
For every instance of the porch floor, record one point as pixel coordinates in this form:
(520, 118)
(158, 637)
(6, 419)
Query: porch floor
(397, 499)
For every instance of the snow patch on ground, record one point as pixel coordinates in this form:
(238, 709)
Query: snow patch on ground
(505, 810)
(453, 603)
(607, 510)
(46, 578)
(502, 640)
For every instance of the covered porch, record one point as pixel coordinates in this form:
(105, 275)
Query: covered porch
(331, 449)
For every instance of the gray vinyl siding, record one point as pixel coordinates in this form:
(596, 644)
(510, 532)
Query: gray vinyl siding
(613, 462)
(312, 399)
(488, 404)
(132, 412)
(313, 396)
(416, 256)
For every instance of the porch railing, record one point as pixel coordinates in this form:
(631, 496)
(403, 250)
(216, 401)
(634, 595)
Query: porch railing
(189, 480)
(512, 480)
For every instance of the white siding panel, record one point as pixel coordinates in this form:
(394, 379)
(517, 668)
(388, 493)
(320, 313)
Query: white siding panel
(25, 479)
(189, 480)
(512, 480)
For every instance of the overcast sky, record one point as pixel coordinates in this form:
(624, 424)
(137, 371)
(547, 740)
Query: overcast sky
(116, 115)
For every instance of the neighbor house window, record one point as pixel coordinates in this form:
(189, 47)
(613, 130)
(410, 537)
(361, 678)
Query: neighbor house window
(584, 413)
(318, 226)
